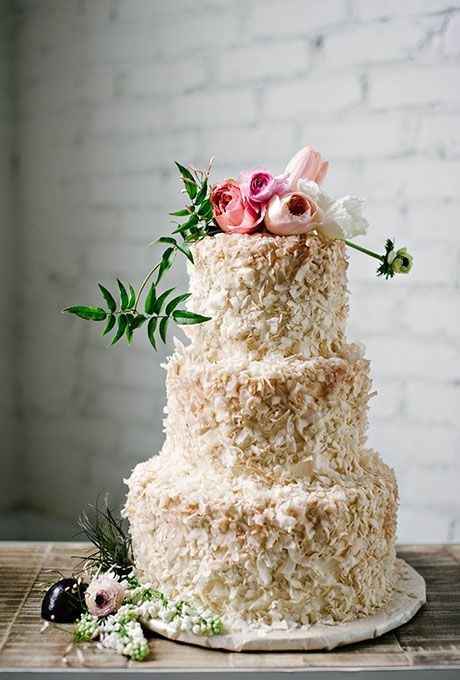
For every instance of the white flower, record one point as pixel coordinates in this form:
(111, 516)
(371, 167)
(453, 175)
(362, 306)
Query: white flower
(341, 218)
(344, 219)
(105, 595)
(314, 191)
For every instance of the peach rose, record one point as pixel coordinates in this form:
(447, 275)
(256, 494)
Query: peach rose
(232, 212)
(294, 213)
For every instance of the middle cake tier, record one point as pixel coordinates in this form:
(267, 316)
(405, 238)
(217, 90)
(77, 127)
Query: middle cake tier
(280, 418)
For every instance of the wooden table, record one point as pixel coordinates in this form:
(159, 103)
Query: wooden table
(430, 641)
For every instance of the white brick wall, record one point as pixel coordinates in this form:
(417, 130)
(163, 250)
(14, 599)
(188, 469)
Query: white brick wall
(9, 431)
(110, 92)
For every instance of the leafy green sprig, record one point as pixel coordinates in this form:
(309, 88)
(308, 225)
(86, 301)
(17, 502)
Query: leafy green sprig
(122, 315)
(198, 224)
(158, 312)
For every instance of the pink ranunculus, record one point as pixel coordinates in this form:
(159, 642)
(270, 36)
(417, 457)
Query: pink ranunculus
(232, 211)
(306, 164)
(259, 186)
(104, 595)
(294, 213)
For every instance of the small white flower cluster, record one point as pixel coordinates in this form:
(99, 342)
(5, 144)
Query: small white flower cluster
(188, 620)
(179, 616)
(122, 631)
(87, 628)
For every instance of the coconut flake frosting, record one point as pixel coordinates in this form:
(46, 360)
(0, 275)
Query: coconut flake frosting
(264, 505)
(282, 418)
(283, 555)
(268, 295)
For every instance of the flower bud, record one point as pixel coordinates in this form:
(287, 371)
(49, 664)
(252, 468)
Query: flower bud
(401, 261)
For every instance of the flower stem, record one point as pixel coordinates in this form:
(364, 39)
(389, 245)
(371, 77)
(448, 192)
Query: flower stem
(364, 250)
(143, 284)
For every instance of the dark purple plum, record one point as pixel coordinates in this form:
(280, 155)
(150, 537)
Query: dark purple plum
(64, 602)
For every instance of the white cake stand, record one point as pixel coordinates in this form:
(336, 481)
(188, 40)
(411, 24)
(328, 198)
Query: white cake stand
(408, 596)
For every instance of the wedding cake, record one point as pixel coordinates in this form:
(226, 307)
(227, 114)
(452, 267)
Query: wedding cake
(264, 520)
(264, 505)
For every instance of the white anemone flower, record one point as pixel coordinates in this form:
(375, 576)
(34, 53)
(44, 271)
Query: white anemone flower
(341, 218)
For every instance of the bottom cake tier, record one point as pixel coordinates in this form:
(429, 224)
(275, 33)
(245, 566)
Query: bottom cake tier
(282, 555)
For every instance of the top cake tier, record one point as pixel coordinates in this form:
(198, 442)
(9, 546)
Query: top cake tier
(268, 294)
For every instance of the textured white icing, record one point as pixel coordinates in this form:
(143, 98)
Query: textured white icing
(268, 295)
(278, 417)
(264, 504)
(281, 555)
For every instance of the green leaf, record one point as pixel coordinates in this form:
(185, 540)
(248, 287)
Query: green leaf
(108, 297)
(185, 250)
(181, 213)
(132, 297)
(122, 323)
(191, 222)
(181, 229)
(124, 300)
(202, 193)
(150, 300)
(136, 321)
(164, 328)
(205, 209)
(190, 188)
(160, 301)
(185, 172)
(87, 313)
(110, 324)
(182, 317)
(171, 306)
(165, 264)
(151, 328)
(167, 239)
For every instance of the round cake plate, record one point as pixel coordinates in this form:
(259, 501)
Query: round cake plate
(409, 594)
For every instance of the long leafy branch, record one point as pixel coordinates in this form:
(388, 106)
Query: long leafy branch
(122, 315)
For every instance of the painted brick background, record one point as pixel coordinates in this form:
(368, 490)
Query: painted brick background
(108, 93)
(10, 491)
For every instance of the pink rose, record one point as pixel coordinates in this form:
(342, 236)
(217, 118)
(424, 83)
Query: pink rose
(104, 595)
(259, 186)
(232, 212)
(294, 213)
(306, 164)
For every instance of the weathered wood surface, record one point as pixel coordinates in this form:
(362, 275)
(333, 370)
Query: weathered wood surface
(431, 640)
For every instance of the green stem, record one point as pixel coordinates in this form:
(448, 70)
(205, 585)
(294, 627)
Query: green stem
(143, 284)
(147, 279)
(364, 250)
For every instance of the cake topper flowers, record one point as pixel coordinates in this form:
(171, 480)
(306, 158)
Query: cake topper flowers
(293, 202)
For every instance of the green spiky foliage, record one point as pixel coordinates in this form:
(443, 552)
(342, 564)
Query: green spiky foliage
(108, 532)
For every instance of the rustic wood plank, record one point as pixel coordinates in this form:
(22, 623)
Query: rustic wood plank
(432, 637)
(17, 578)
(454, 550)
(430, 640)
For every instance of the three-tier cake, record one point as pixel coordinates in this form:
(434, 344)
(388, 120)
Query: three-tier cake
(264, 505)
